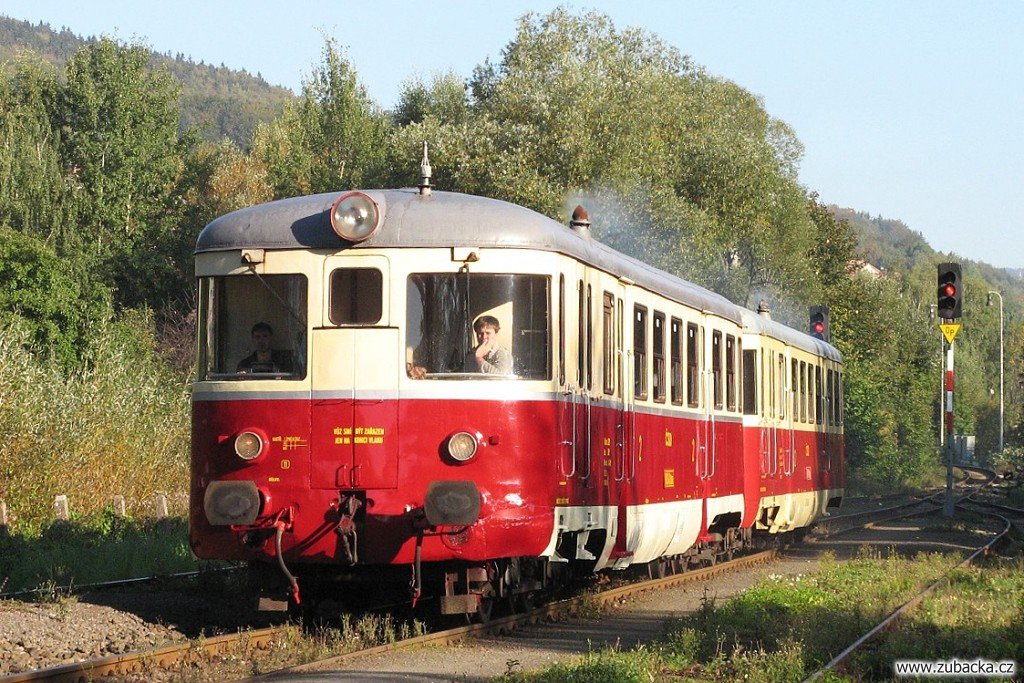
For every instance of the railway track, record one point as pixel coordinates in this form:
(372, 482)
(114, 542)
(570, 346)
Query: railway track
(167, 657)
(965, 501)
(205, 649)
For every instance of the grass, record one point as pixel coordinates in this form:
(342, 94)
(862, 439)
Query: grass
(784, 628)
(62, 556)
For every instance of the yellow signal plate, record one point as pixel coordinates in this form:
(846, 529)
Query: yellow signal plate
(949, 330)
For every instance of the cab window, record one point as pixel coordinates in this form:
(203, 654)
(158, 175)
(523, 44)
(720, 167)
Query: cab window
(252, 327)
(447, 314)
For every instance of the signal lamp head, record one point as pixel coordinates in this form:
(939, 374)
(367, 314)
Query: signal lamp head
(462, 446)
(354, 216)
(248, 446)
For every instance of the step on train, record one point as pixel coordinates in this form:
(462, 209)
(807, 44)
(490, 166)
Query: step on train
(458, 397)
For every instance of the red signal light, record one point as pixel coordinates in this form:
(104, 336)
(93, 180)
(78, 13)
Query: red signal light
(949, 289)
(819, 327)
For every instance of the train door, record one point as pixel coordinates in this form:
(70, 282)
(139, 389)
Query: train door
(574, 352)
(355, 371)
(710, 389)
(769, 433)
(788, 369)
(781, 434)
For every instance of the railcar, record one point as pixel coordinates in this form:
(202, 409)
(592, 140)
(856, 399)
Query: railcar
(644, 420)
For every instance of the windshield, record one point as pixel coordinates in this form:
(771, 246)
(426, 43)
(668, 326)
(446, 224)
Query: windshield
(477, 326)
(252, 327)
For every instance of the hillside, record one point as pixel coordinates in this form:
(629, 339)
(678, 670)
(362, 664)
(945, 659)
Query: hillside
(890, 245)
(218, 101)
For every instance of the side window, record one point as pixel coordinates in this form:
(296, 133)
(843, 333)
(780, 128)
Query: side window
(803, 391)
(842, 395)
(794, 389)
(608, 339)
(692, 368)
(781, 400)
(639, 352)
(561, 330)
(730, 372)
(716, 367)
(817, 394)
(750, 382)
(356, 296)
(658, 354)
(676, 357)
(582, 366)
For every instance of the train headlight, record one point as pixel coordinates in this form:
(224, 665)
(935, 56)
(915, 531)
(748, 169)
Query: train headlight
(248, 445)
(462, 446)
(354, 216)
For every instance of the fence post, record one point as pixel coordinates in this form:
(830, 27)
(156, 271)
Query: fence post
(4, 528)
(61, 508)
(119, 507)
(161, 505)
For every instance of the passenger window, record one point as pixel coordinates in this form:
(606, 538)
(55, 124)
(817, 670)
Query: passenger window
(676, 355)
(781, 401)
(750, 382)
(356, 296)
(803, 391)
(561, 330)
(692, 368)
(658, 355)
(730, 372)
(794, 388)
(716, 367)
(640, 352)
(818, 395)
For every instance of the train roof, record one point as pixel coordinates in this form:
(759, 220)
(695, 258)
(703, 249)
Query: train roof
(441, 219)
(759, 324)
(451, 219)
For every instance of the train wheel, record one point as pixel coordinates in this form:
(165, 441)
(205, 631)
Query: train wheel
(483, 612)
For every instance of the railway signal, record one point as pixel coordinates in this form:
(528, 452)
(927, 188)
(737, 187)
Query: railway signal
(950, 291)
(819, 323)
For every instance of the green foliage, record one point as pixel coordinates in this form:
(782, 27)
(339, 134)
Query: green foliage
(333, 138)
(119, 123)
(44, 294)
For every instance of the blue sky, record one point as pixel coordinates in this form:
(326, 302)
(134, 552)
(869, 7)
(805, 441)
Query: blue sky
(908, 109)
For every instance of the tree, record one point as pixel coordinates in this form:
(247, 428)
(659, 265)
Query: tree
(33, 194)
(56, 302)
(334, 138)
(120, 144)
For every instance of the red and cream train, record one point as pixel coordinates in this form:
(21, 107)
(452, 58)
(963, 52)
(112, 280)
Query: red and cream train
(645, 420)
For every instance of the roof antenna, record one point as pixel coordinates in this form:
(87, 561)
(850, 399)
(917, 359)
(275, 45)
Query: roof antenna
(425, 173)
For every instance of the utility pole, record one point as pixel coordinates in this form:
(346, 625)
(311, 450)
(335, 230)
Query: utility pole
(990, 295)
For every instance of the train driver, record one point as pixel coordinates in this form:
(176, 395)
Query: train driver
(265, 358)
(487, 356)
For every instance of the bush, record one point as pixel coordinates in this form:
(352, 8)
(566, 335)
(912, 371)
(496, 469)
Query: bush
(117, 425)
